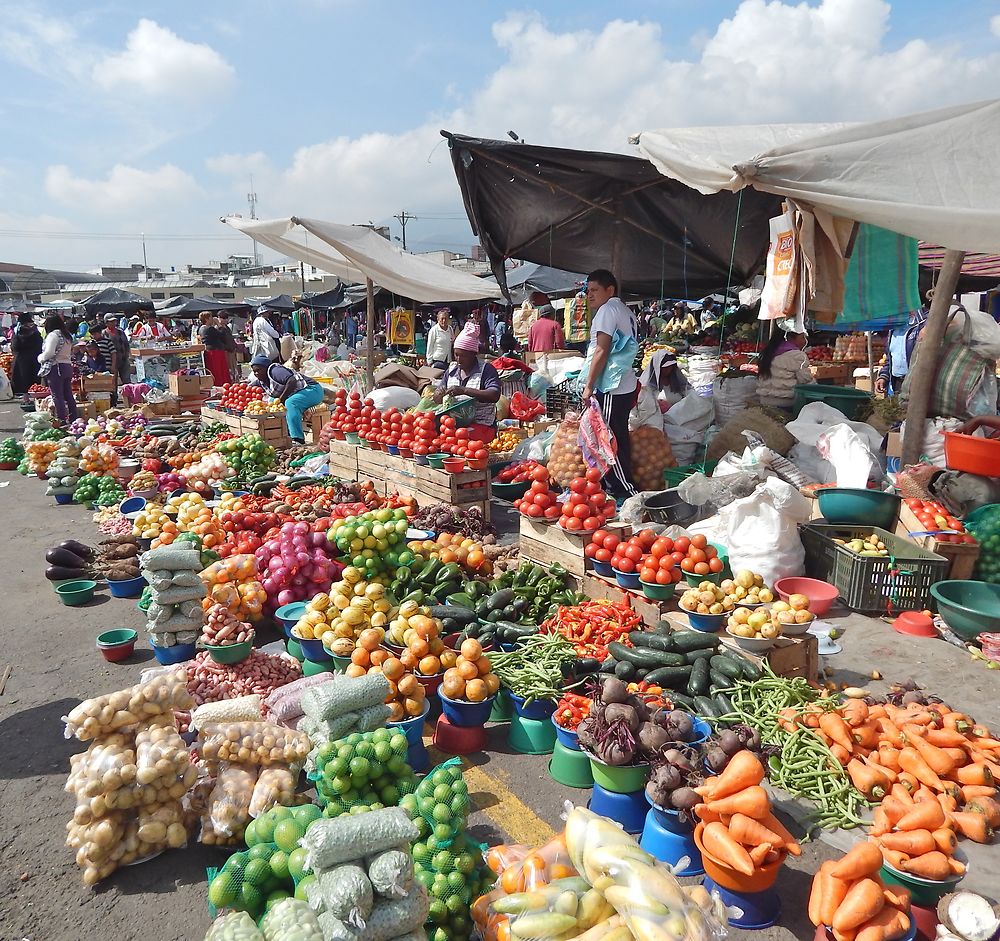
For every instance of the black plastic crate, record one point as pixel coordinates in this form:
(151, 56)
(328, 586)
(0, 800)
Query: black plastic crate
(900, 581)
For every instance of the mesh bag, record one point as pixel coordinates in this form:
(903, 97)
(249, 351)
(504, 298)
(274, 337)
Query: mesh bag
(441, 800)
(291, 920)
(345, 694)
(564, 906)
(227, 812)
(347, 894)
(234, 926)
(275, 786)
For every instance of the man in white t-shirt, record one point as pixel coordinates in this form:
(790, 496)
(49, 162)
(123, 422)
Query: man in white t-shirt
(612, 317)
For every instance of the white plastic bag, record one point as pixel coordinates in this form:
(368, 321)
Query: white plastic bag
(646, 412)
(852, 459)
(818, 417)
(932, 451)
(536, 448)
(984, 335)
(6, 390)
(761, 531)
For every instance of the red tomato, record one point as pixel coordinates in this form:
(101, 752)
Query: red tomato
(625, 565)
(681, 544)
(611, 541)
(534, 510)
(634, 553)
(552, 512)
(578, 485)
(589, 550)
(591, 523)
(602, 555)
(593, 475)
(599, 537)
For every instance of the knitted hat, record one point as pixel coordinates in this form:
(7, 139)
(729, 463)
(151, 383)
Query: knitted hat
(468, 339)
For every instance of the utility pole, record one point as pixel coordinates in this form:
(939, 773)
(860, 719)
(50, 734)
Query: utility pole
(145, 267)
(403, 217)
(252, 201)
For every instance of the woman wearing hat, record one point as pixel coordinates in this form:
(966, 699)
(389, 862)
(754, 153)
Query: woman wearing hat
(469, 375)
(295, 391)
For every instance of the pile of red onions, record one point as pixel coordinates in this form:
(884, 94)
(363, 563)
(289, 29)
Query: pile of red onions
(294, 565)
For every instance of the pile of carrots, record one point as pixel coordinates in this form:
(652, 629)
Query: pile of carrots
(849, 898)
(931, 770)
(737, 828)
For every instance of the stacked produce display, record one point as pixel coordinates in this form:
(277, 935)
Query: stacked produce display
(175, 614)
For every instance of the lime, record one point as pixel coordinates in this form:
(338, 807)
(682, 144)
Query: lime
(425, 877)
(409, 804)
(261, 851)
(302, 888)
(389, 795)
(222, 892)
(306, 814)
(256, 873)
(464, 863)
(423, 827)
(443, 862)
(442, 832)
(442, 793)
(251, 899)
(326, 751)
(437, 911)
(455, 904)
(297, 863)
(263, 828)
(279, 813)
(456, 880)
(397, 765)
(250, 836)
(279, 865)
(287, 835)
(274, 897)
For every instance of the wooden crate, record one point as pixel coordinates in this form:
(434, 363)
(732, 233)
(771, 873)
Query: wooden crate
(371, 464)
(313, 420)
(962, 557)
(598, 587)
(549, 543)
(344, 460)
(209, 414)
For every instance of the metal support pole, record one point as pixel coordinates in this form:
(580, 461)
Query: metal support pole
(925, 364)
(370, 336)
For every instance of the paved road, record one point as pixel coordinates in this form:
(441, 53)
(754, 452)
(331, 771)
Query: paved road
(54, 665)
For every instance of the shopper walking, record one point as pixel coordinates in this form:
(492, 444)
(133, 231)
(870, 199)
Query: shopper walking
(26, 345)
(546, 333)
(610, 377)
(109, 354)
(56, 359)
(120, 340)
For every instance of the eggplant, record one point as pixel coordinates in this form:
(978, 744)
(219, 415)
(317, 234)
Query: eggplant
(59, 573)
(77, 548)
(65, 558)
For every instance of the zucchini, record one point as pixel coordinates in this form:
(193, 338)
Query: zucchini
(723, 703)
(650, 659)
(682, 701)
(670, 677)
(640, 674)
(698, 684)
(651, 641)
(625, 670)
(587, 665)
(686, 641)
(692, 656)
(663, 628)
(705, 708)
(718, 680)
(515, 631)
(500, 600)
(725, 666)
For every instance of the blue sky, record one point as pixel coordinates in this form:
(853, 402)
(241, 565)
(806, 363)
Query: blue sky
(130, 117)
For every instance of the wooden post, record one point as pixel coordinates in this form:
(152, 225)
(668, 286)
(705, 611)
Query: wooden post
(871, 364)
(370, 336)
(926, 359)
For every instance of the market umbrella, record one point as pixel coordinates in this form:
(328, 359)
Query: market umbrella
(324, 300)
(280, 302)
(115, 301)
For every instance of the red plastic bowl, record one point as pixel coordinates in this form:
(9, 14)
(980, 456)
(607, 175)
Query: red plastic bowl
(454, 465)
(406, 452)
(821, 595)
(477, 464)
(971, 454)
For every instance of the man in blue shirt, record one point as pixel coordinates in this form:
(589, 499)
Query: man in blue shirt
(898, 352)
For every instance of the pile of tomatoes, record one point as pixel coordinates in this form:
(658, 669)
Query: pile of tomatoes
(587, 508)
(459, 441)
(657, 559)
(697, 557)
(516, 473)
(346, 415)
(238, 395)
(934, 516)
(540, 502)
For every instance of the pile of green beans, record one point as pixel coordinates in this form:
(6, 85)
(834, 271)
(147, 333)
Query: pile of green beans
(805, 766)
(534, 669)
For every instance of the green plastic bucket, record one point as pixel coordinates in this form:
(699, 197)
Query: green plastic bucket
(625, 779)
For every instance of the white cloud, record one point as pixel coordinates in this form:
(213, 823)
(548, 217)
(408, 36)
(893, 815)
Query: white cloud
(156, 61)
(995, 25)
(126, 189)
(769, 62)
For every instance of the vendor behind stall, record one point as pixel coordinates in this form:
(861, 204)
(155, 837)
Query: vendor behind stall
(469, 375)
(782, 366)
(295, 391)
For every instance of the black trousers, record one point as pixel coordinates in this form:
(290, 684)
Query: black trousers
(615, 409)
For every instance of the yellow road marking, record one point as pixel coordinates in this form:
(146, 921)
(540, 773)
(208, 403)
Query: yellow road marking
(510, 814)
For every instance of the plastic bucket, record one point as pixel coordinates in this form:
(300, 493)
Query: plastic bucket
(314, 650)
(74, 593)
(706, 623)
(288, 614)
(231, 653)
(603, 568)
(413, 728)
(540, 709)
(566, 737)
(467, 715)
(127, 587)
(623, 779)
(627, 580)
(117, 645)
(170, 655)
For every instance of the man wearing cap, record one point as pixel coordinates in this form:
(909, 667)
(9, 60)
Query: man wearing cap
(469, 375)
(120, 341)
(295, 391)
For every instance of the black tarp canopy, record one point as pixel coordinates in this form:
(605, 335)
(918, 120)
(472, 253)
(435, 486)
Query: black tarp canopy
(577, 210)
(552, 281)
(280, 302)
(115, 301)
(324, 300)
(192, 306)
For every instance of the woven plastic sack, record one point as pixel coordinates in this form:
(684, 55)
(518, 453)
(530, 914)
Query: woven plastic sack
(242, 709)
(286, 701)
(180, 594)
(290, 920)
(566, 458)
(126, 708)
(171, 558)
(347, 894)
(331, 842)
(234, 926)
(391, 873)
(651, 456)
(388, 919)
(258, 743)
(345, 694)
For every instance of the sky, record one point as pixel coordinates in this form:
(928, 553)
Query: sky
(123, 118)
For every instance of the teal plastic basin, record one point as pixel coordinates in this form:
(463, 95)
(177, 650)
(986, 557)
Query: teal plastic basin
(845, 400)
(854, 506)
(968, 607)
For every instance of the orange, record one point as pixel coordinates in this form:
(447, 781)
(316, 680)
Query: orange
(471, 649)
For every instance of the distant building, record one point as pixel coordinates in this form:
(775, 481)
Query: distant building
(458, 261)
(478, 253)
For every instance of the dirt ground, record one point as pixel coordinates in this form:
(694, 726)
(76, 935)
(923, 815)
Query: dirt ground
(54, 664)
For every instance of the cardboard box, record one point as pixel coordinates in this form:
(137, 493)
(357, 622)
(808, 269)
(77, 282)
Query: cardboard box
(184, 387)
(894, 444)
(206, 383)
(86, 410)
(101, 382)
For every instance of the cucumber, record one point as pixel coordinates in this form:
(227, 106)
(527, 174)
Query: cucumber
(608, 667)
(650, 659)
(726, 667)
(664, 628)
(723, 703)
(699, 682)
(751, 670)
(500, 600)
(693, 656)
(453, 612)
(651, 641)
(625, 670)
(587, 665)
(705, 708)
(718, 680)
(682, 701)
(685, 641)
(640, 674)
(670, 677)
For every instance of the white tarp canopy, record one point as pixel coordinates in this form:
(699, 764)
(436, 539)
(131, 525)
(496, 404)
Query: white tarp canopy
(354, 253)
(930, 176)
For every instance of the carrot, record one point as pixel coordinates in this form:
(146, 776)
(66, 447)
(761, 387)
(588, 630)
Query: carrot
(939, 761)
(836, 891)
(927, 815)
(985, 741)
(743, 771)
(971, 791)
(819, 892)
(788, 719)
(751, 801)
(759, 854)
(776, 826)
(861, 861)
(855, 712)
(864, 900)
(897, 897)
(890, 731)
(888, 756)
(844, 935)
(945, 840)
(933, 865)
(924, 793)
(975, 774)
(842, 755)
(877, 711)
(749, 832)
(972, 826)
(865, 736)
(957, 866)
(880, 822)
(872, 761)
(894, 858)
(945, 738)
(958, 755)
(870, 782)
(718, 843)
(957, 721)
(912, 762)
(948, 803)
(836, 729)
(887, 924)
(902, 793)
(911, 842)
(706, 815)
(989, 807)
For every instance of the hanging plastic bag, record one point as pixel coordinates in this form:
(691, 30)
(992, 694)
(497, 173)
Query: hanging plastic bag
(596, 440)
(651, 456)
(566, 459)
